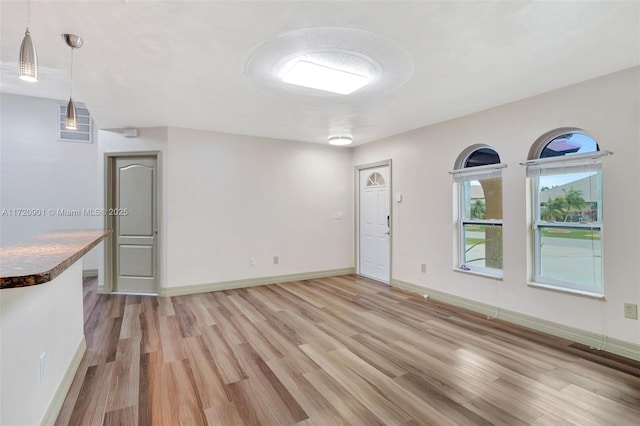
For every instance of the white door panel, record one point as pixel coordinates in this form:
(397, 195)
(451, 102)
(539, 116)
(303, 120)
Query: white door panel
(136, 261)
(134, 183)
(135, 201)
(374, 230)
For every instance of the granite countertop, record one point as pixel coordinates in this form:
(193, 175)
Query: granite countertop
(40, 259)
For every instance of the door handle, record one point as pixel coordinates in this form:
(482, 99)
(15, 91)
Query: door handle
(155, 232)
(387, 233)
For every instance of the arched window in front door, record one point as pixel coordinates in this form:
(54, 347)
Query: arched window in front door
(375, 179)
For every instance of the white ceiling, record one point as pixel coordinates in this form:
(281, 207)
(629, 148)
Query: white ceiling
(184, 63)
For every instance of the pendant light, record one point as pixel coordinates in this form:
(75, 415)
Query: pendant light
(28, 60)
(71, 122)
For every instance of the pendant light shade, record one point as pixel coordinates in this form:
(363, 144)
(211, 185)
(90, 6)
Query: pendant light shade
(28, 62)
(71, 122)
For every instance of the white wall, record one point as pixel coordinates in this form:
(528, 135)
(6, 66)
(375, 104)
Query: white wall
(39, 172)
(233, 197)
(45, 318)
(424, 231)
(226, 198)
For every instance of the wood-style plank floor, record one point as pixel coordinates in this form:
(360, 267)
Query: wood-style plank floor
(341, 350)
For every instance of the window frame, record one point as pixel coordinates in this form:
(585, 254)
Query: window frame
(597, 288)
(463, 174)
(539, 225)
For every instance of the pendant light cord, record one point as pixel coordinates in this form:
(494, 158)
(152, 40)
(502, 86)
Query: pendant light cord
(28, 14)
(71, 93)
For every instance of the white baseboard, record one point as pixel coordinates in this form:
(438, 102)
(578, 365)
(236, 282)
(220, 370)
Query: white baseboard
(53, 410)
(252, 282)
(86, 273)
(616, 346)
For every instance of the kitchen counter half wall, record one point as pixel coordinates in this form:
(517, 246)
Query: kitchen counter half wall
(40, 259)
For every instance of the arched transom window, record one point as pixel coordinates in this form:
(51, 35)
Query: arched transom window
(376, 179)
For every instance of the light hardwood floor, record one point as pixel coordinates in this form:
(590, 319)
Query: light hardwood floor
(341, 350)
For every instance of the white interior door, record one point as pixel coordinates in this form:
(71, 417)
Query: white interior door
(135, 225)
(374, 223)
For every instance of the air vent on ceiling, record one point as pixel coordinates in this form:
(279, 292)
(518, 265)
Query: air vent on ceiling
(84, 132)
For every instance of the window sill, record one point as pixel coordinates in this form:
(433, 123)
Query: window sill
(480, 274)
(566, 290)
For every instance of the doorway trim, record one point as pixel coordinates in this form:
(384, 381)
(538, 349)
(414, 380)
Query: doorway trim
(356, 179)
(109, 243)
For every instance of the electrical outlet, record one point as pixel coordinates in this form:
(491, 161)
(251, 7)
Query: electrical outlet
(43, 366)
(276, 260)
(631, 311)
(252, 261)
(423, 268)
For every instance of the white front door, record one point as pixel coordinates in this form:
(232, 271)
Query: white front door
(135, 225)
(375, 223)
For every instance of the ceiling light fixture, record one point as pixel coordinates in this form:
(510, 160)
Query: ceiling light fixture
(28, 60)
(340, 140)
(71, 122)
(322, 77)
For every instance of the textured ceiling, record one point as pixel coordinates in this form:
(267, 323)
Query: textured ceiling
(184, 64)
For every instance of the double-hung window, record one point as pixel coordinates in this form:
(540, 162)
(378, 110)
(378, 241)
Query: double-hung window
(565, 170)
(478, 175)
